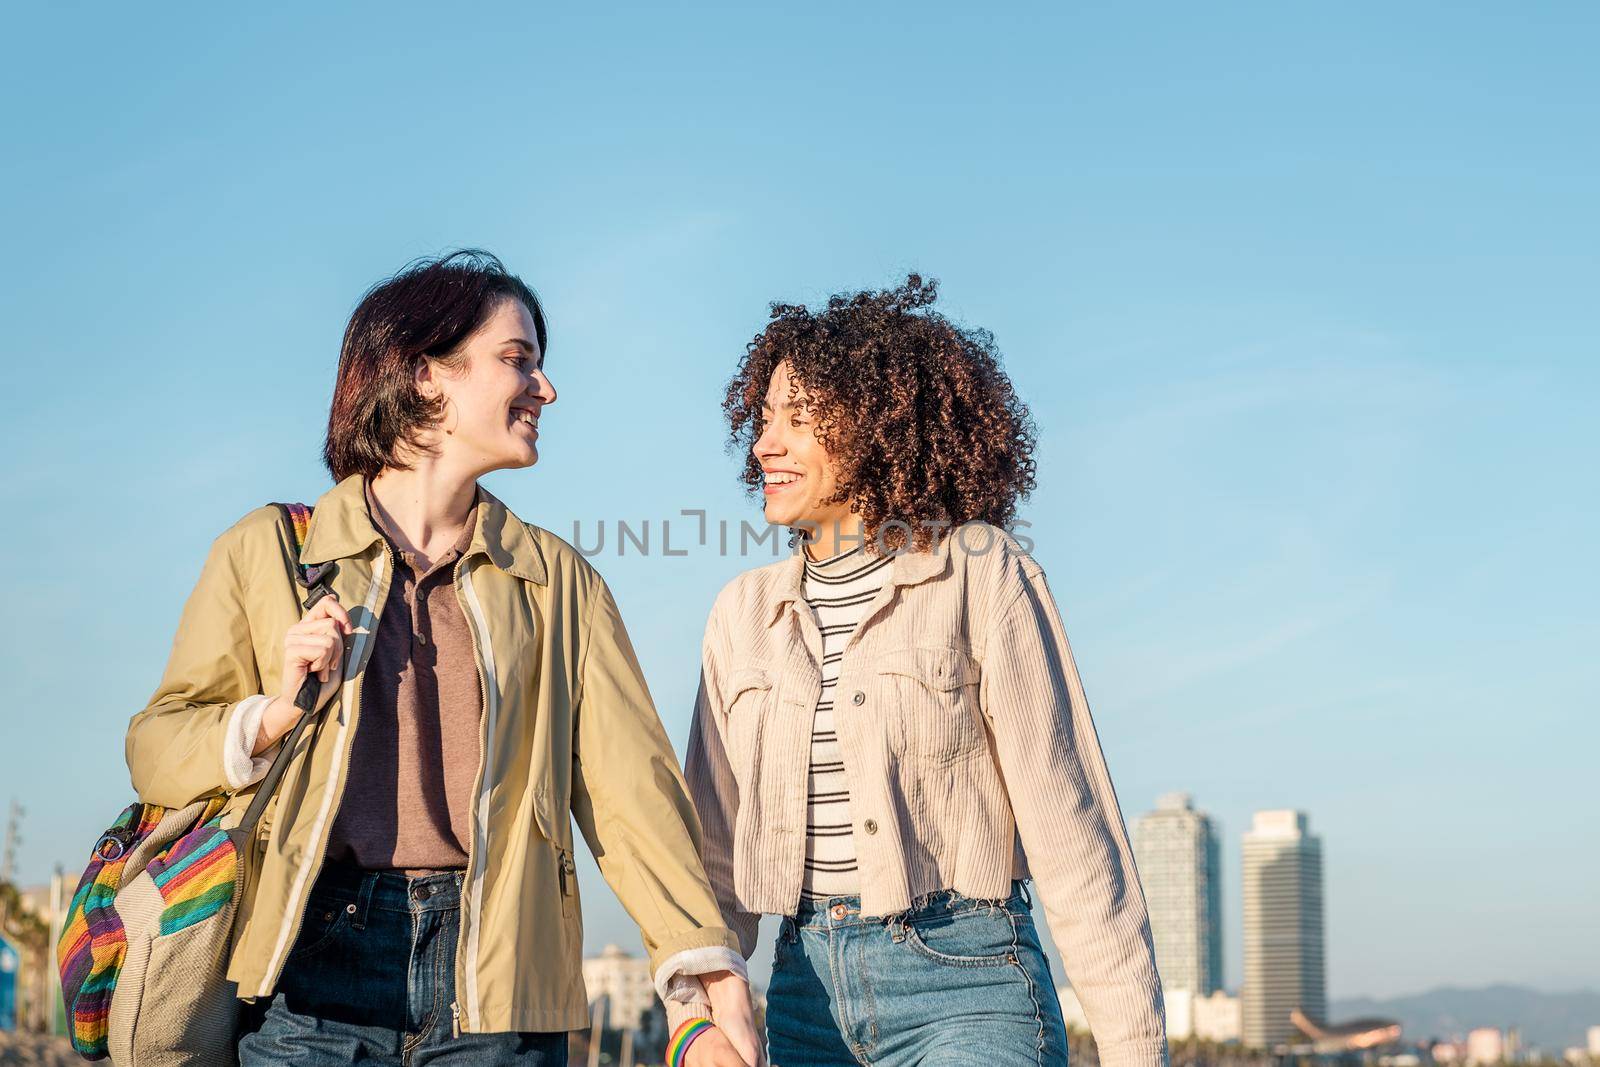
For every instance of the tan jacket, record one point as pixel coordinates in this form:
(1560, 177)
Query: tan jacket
(970, 754)
(569, 731)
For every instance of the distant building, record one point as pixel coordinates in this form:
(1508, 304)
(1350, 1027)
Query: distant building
(624, 984)
(1486, 1045)
(1179, 1005)
(1177, 852)
(1594, 1041)
(1284, 963)
(1218, 1018)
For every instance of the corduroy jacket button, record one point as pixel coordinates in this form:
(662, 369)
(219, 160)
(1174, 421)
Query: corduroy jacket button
(859, 699)
(871, 826)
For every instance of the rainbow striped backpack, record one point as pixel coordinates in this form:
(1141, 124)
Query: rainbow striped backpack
(144, 947)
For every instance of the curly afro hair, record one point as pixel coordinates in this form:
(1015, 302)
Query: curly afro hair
(924, 428)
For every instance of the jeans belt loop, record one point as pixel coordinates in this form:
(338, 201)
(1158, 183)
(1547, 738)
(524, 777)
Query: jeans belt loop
(364, 900)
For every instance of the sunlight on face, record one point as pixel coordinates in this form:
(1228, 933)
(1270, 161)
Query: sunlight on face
(491, 418)
(800, 476)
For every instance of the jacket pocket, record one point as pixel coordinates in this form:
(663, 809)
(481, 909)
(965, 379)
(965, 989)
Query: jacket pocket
(932, 694)
(749, 695)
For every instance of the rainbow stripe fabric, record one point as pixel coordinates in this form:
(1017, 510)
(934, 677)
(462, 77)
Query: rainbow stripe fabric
(93, 943)
(196, 875)
(300, 516)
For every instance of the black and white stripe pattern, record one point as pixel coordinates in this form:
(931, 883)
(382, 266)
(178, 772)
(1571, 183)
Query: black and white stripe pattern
(839, 591)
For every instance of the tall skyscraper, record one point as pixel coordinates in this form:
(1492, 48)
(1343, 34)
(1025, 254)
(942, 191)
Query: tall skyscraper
(1284, 964)
(1177, 852)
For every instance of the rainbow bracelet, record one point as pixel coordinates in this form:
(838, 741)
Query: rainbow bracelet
(678, 1047)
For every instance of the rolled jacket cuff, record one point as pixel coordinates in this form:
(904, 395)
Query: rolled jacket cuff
(663, 952)
(675, 979)
(240, 766)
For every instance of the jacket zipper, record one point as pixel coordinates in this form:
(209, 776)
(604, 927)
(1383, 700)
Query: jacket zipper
(470, 917)
(569, 873)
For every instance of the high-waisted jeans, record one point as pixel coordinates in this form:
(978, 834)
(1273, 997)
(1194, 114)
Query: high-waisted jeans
(955, 982)
(371, 979)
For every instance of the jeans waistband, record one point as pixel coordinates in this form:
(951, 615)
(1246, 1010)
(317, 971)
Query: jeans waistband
(388, 890)
(833, 912)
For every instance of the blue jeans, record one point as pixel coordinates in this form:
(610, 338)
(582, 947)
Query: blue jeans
(952, 983)
(371, 979)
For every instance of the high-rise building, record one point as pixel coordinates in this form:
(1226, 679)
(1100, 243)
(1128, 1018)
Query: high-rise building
(1177, 852)
(1284, 964)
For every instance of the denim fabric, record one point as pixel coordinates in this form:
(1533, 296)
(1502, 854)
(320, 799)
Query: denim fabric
(371, 979)
(953, 982)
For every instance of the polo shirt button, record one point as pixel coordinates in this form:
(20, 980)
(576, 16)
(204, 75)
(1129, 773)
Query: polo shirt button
(859, 698)
(871, 826)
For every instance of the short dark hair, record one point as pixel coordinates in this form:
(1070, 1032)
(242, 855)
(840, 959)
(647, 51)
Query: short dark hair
(915, 411)
(426, 310)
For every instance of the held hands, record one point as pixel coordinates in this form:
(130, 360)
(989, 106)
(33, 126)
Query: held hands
(735, 1042)
(314, 644)
(713, 1049)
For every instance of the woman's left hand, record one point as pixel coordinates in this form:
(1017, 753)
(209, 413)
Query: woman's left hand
(735, 1015)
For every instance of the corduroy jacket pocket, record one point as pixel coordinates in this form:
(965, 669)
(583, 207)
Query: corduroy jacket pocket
(749, 695)
(933, 694)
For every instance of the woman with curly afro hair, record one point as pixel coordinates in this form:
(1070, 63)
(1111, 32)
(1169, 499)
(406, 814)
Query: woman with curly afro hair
(891, 741)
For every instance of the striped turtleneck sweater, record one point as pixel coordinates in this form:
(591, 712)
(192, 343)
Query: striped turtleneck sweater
(838, 591)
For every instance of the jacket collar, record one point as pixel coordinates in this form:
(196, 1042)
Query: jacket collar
(342, 528)
(908, 568)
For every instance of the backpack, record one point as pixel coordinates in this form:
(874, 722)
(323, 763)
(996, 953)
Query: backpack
(145, 943)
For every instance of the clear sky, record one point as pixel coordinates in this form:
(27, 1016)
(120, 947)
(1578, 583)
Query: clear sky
(1295, 293)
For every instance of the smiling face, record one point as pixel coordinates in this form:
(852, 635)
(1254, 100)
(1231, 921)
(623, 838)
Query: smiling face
(493, 396)
(800, 477)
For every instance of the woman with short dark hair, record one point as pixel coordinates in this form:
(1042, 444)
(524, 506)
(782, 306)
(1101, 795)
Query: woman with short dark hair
(890, 737)
(413, 896)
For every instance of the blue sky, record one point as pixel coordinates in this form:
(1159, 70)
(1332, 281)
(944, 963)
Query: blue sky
(1296, 295)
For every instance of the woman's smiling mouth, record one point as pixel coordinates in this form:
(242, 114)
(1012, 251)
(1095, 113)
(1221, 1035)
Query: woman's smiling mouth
(777, 481)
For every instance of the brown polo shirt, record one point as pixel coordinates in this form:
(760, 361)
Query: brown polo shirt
(408, 797)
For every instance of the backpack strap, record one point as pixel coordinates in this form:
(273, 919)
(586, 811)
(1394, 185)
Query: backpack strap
(316, 582)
